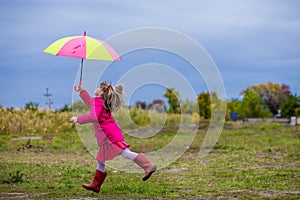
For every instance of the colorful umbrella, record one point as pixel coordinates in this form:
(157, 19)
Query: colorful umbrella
(83, 47)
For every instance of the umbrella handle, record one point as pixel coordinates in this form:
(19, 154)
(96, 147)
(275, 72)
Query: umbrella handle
(75, 88)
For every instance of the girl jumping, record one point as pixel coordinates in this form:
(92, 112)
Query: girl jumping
(107, 100)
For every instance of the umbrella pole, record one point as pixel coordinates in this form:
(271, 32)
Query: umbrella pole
(80, 80)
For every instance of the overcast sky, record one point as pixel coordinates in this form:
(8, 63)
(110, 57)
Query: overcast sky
(250, 41)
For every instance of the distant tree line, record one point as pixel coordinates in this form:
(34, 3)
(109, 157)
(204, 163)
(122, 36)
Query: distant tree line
(258, 101)
(267, 100)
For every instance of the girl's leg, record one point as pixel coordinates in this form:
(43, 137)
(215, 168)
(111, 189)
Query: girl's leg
(99, 177)
(141, 160)
(126, 153)
(101, 166)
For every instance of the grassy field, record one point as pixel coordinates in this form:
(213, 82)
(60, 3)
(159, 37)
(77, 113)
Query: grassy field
(250, 161)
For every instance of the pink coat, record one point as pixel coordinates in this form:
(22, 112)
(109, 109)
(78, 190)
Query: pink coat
(103, 121)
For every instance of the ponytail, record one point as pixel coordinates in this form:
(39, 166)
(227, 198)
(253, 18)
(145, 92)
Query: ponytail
(113, 97)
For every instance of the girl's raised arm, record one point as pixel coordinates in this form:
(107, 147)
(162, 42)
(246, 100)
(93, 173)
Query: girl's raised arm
(86, 97)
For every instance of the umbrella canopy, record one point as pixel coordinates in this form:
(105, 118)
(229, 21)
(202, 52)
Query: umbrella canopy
(83, 47)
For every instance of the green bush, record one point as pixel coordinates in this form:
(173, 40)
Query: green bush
(140, 117)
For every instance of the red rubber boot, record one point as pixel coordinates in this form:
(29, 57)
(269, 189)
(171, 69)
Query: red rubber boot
(95, 186)
(142, 161)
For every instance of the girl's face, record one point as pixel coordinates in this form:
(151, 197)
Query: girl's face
(98, 92)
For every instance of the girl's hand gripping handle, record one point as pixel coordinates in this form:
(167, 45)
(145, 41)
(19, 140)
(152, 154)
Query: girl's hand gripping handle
(80, 87)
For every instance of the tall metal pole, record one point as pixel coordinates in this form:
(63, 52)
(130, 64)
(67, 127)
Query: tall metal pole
(49, 102)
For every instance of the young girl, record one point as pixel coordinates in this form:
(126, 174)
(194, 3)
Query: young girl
(109, 135)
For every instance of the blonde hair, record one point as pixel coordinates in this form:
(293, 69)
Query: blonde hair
(113, 97)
